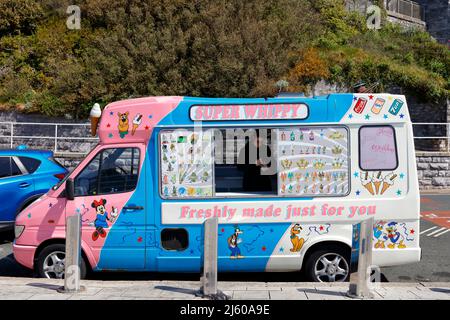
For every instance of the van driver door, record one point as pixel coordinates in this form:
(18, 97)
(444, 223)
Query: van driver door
(109, 195)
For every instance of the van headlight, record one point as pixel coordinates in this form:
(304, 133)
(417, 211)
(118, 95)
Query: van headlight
(18, 230)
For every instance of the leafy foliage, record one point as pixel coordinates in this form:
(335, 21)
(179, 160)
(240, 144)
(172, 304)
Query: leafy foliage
(130, 48)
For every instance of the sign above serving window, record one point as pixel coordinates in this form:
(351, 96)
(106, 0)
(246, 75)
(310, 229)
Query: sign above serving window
(249, 112)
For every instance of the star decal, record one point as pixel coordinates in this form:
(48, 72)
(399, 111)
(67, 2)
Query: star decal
(271, 230)
(371, 97)
(111, 113)
(139, 239)
(350, 116)
(77, 210)
(110, 135)
(150, 116)
(29, 216)
(385, 116)
(281, 249)
(355, 98)
(358, 192)
(402, 116)
(108, 125)
(50, 205)
(402, 175)
(399, 192)
(321, 228)
(412, 231)
(263, 248)
(356, 174)
(367, 117)
(147, 127)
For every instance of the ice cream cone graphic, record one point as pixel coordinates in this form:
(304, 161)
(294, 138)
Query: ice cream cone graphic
(366, 181)
(377, 180)
(136, 123)
(388, 182)
(95, 115)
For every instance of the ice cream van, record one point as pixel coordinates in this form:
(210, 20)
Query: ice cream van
(286, 177)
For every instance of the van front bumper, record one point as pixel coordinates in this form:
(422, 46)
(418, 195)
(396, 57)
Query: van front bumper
(24, 255)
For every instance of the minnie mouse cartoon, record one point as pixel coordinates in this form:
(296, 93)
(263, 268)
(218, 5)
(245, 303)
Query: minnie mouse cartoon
(100, 222)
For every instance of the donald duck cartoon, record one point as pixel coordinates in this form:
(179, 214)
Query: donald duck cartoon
(378, 234)
(394, 236)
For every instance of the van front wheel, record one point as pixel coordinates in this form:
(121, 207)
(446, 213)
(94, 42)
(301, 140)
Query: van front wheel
(51, 262)
(328, 265)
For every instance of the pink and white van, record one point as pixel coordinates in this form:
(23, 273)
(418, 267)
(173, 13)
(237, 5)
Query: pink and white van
(165, 164)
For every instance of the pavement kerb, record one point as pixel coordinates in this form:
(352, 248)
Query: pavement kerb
(33, 288)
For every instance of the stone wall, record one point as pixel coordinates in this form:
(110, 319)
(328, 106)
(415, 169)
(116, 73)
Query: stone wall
(433, 170)
(437, 14)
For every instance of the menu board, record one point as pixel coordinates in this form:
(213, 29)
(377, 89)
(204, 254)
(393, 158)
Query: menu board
(313, 161)
(377, 148)
(186, 164)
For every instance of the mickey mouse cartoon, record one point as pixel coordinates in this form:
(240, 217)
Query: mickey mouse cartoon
(100, 222)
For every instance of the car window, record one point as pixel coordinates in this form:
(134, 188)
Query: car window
(5, 167)
(111, 171)
(15, 171)
(30, 164)
(8, 167)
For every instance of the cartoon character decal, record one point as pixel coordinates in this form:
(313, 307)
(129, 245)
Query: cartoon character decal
(297, 242)
(378, 234)
(102, 218)
(124, 124)
(233, 244)
(392, 235)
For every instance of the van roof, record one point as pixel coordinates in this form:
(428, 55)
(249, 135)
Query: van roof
(133, 120)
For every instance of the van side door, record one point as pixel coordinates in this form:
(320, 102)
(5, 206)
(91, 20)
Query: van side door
(110, 196)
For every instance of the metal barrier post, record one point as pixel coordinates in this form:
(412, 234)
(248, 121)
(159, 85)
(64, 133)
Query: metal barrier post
(73, 255)
(209, 273)
(361, 260)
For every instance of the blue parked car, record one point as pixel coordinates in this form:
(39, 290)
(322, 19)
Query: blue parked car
(25, 175)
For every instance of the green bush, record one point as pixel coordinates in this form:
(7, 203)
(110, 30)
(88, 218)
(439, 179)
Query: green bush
(131, 48)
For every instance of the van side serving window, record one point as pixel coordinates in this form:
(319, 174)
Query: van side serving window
(296, 161)
(110, 171)
(377, 148)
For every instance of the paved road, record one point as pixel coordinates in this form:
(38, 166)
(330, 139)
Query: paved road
(434, 266)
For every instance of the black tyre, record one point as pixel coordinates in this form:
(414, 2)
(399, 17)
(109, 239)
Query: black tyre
(330, 264)
(50, 262)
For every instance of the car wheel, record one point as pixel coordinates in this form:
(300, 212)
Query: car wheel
(51, 262)
(328, 265)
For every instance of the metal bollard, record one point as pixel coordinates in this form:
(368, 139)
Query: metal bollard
(361, 260)
(73, 255)
(209, 270)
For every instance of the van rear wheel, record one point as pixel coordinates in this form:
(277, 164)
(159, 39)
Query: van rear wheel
(328, 265)
(51, 262)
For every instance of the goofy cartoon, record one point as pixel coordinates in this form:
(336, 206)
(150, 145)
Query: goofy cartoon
(233, 242)
(101, 221)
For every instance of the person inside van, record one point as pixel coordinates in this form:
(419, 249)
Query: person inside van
(255, 162)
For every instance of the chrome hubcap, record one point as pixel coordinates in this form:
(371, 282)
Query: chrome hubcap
(331, 267)
(54, 265)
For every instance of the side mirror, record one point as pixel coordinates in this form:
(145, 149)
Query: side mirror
(70, 189)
